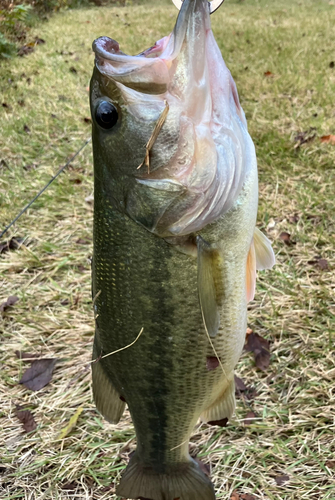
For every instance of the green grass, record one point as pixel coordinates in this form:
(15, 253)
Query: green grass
(294, 306)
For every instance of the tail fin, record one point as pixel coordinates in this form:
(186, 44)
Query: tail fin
(186, 482)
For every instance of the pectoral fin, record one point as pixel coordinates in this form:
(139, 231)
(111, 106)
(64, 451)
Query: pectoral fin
(251, 272)
(210, 285)
(265, 257)
(261, 256)
(106, 397)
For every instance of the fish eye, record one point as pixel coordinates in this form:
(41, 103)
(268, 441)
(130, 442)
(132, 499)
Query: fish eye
(106, 115)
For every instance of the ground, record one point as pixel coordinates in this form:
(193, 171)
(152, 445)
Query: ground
(281, 55)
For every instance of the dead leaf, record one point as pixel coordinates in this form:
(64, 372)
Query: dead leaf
(83, 241)
(247, 496)
(286, 238)
(268, 74)
(328, 139)
(239, 384)
(250, 417)
(12, 244)
(25, 50)
(69, 486)
(25, 356)
(261, 349)
(305, 137)
(11, 301)
(294, 218)
(39, 41)
(26, 418)
(235, 496)
(220, 423)
(71, 424)
(212, 363)
(321, 263)
(280, 480)
(39, 374)
(330, 464)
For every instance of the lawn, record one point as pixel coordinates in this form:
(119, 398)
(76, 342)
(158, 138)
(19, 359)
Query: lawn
(281, 55)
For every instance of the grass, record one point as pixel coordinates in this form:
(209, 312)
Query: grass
(293, 433)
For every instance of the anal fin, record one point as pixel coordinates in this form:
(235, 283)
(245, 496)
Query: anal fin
(210, 285)
(106, 397)
(223, 407)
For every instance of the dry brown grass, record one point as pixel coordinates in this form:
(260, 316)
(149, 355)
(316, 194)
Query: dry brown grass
(293, 433)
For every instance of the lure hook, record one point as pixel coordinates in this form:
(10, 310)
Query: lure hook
(213, 5)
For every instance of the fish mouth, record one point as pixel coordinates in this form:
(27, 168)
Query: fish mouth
(156, 64)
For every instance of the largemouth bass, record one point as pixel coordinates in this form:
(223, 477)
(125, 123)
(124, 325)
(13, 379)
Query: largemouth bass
(175, 247)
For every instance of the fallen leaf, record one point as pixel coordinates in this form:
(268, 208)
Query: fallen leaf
(25, 356)
(220, 423)
(39, 41)
(25, 50)
(212, 363)
(3, 164)
(250, 417)
(26, 418)
(29, 167)
(11, 301)
(280, 480)
(247, 496)
(286, 238)
(268, 74)
(239, 384)
(12, 244)
(69, 486)
(235, 496)
(321, 263)
(71, 425)
(83, 241)
(305, 137)
(261, 349)
(294, 218)
(39, 374)
(328, 139)
(330, 464)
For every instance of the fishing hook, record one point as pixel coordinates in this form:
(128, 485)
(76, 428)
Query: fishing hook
(213, 5)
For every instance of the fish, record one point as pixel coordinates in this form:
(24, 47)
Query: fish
(176, 247)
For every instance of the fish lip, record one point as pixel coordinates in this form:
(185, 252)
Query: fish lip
(106, 48)
(109, 49)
